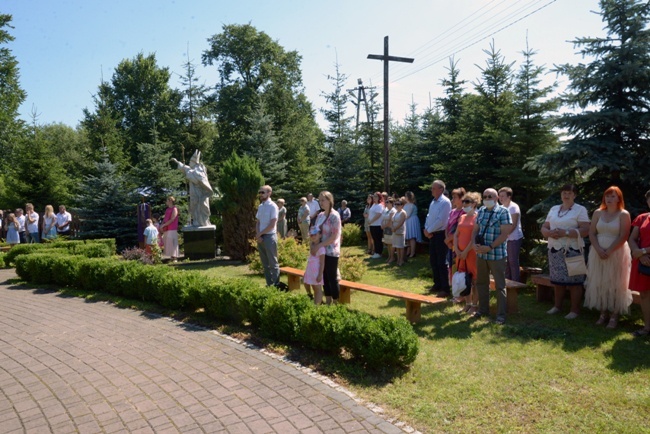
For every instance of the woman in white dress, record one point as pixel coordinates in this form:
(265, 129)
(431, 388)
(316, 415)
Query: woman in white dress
(608, 269)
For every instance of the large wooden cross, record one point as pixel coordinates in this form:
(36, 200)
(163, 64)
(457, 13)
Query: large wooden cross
(386, 58)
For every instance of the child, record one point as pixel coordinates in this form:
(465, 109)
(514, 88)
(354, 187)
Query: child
(156, 222)
(150, 236)
(12, 230)
(315, 267)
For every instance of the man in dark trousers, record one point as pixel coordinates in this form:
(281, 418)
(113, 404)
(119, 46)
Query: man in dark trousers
(434, 230)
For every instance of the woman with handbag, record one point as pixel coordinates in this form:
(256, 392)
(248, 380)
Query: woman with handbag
(608, 273)
(639, 242)
(464, 246)
(565, 227)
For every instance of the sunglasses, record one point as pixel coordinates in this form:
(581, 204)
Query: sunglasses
(261, 192)
(467, 201)
(398, 203)
(487, 197)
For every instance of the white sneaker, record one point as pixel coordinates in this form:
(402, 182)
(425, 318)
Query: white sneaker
(553, 311)
(376, 256)
(571, 315)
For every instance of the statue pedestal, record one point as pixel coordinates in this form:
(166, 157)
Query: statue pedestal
(199, 242)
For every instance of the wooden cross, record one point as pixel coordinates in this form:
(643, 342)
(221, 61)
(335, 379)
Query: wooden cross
(386, 58)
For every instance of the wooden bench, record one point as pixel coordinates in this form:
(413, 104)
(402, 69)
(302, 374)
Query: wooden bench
(413, 301)
(544, 290)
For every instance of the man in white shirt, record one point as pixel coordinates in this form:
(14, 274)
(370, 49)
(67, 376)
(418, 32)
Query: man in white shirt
(20, 218)
(516, 237)
(434, 230)
(265, 235)
(63, 220)
(314, 208)
(32, 224)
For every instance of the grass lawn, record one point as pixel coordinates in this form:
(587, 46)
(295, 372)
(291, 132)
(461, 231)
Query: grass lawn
(538, 373)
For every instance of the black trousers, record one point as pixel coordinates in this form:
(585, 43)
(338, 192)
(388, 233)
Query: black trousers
(330, 274)
(377, 234)
(438, 260)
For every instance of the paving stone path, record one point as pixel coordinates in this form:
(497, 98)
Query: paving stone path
(72, 366)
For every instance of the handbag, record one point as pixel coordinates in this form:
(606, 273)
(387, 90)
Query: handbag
(644, 269)
(461, 283)
(576, 265)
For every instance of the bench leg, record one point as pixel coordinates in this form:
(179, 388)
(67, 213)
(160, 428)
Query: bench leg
(544, 293)
(413, 311)
(294, 282)
(512, 301)
(344, 295)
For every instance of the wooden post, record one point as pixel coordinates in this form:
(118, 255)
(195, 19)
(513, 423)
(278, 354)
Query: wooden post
(386, 58)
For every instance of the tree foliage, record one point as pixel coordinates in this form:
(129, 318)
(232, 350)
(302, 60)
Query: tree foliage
(239, 182)
(11, 95)
(608, 133)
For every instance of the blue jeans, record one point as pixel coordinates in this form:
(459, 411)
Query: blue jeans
(268, 249)
(33, 237)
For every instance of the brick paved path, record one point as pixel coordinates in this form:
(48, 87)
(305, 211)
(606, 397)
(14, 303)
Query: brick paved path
(68, 366)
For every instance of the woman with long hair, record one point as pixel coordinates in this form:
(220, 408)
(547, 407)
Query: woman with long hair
(608, 271)
(49, 223)
(366, 224)
(329, 224)
(413, 227)
(374, 220)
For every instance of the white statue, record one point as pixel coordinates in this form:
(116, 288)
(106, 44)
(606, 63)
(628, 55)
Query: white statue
(200, 189)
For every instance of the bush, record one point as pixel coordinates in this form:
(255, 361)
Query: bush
(290, 254)
(351, 235)
(252, 303)
(223, 299)
(352, 267)
(281, 316)
(380, 342)
(322, 328)
(100, 248)
(22, 249)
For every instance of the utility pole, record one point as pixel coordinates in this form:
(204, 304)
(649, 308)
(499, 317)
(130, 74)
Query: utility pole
(386, 58)
(359, 98)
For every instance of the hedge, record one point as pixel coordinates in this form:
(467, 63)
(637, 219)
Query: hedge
(100, 248)
(382, 342)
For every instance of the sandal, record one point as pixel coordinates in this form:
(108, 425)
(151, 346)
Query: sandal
(602, 320)
(641, 332)
(613, 322)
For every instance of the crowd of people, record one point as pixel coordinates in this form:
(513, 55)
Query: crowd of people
(480, 235)
(26, 226)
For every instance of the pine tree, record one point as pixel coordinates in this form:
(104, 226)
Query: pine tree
(11, 96)
(107, 206)
(609, 133)
(263, 146)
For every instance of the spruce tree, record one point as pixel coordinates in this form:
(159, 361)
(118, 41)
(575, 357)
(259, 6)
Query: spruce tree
(107, 206)
(608, 129)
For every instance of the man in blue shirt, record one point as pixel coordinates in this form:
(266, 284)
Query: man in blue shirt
(493, 225)
(434, 230)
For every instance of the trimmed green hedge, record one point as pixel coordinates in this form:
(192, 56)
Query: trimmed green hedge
(100, 248)
(383, 342)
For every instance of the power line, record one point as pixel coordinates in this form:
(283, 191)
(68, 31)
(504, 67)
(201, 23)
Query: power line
(481, 38)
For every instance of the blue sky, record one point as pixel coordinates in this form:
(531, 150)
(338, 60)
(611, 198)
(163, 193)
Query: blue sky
(64, 47)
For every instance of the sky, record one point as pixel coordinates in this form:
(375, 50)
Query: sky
(65, 47)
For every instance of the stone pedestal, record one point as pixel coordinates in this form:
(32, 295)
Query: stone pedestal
(199, 242)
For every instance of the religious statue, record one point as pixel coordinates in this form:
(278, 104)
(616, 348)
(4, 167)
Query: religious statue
(200, 189)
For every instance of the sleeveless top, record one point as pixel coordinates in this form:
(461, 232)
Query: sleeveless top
(607, 232)
(173, 226)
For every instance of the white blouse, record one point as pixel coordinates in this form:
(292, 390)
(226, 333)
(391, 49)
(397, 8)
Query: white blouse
(566, 220)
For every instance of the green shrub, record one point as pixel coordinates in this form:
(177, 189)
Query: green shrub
(322, 328)
(65, 269)
(281, 316)
(290, 254)
(381, 342)
(351, 235)
(352, 267)
(225, 299)
(253, 301)
(36, 268)
(22, 249)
